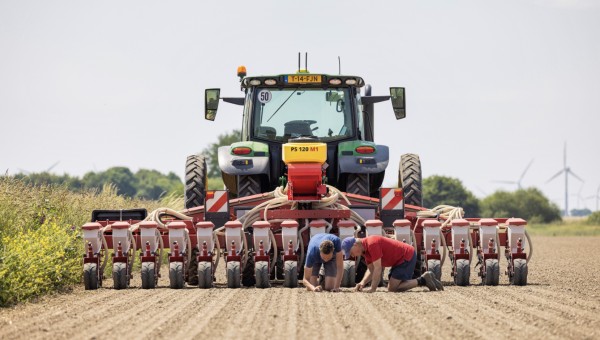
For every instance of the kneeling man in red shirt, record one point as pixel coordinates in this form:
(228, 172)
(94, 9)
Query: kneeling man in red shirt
(380, 252)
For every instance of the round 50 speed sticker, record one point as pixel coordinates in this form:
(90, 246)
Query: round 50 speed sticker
(264, 96)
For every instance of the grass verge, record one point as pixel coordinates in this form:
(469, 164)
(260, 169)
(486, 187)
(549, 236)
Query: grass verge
(40, 239)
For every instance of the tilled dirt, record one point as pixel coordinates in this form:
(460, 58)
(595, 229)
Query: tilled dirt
(561, 301)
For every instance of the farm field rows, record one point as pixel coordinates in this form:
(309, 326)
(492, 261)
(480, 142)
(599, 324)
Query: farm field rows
(562, 300)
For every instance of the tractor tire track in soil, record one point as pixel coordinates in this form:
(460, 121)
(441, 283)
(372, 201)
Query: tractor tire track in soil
(562, 300)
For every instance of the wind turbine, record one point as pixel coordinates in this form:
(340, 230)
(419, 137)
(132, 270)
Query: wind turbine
(518, 182)
(567, 171)
(27, 173)
(580, 197)
(597, 197)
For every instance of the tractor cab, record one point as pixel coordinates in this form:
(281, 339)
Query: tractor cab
(304, 108)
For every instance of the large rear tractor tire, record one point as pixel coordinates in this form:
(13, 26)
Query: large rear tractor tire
(463, 273)
(176, 275)
(520, 276)
(195, 181)
(261, 273)
(358, 184)
(349, 277)
(435, 267)
(410, 179)
(492, 272)
(120, 279)
(205, 277)
(148, 279)
(90, 276)
(290, 274)
(233, 274)
(249, 185)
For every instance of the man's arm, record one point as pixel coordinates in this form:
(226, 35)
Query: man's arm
(339, 259)
(376, 272)
(306, 280)
(366, 278)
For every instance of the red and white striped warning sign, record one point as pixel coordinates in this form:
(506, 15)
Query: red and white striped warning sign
(216, 202)
(391, 199)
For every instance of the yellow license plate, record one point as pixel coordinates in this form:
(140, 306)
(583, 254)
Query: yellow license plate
(304, 79)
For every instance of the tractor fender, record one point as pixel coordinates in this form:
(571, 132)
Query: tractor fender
(365, 164)
(242, 165)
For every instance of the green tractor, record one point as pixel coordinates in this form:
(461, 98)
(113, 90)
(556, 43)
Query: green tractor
(304, 107)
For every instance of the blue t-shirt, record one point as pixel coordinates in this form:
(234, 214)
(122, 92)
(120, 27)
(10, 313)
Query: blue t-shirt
(313, 254)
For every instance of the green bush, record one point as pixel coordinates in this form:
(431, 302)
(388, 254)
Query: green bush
(529, 204)
(594, 219)
(442, 190)
(40, 247)
(39, 260)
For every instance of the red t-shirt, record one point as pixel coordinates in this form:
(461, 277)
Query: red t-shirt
(390, 251)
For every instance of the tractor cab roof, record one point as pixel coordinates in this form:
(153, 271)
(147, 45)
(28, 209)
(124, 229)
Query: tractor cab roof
(304, 79)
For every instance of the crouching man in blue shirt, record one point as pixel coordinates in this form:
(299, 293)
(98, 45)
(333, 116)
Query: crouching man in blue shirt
(324, 250)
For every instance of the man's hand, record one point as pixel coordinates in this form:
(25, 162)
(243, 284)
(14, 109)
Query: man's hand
(359, 287)
(318, 289)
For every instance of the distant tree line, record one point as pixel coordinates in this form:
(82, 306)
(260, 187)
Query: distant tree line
(529, 204)
(144, 184)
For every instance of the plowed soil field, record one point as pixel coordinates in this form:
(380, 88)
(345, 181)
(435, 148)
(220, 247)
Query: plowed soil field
(561, 301)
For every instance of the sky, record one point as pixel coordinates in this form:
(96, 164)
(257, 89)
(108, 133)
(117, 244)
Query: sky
(490, 86)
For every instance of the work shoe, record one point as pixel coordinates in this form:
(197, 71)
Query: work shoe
(438, 284)
(430, 281)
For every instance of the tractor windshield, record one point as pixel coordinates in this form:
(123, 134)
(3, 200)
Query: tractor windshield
(281, 114)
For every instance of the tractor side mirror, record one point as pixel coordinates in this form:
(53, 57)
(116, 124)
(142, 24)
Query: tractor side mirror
(211, 103)
(398, 102)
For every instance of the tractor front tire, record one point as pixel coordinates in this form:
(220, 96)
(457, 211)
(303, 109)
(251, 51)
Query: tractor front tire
(249, 185)
(358, 184)
(410, 179)
(195, 181)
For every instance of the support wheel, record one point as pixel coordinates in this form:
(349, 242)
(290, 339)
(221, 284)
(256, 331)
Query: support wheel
(520, 276)
(349, 278)
(90, 276)
(290, 274)
(492, 272)
(195, 181)
(176, 275)
(463, 273)
(261, 273)
(205, 276)
(233, 274)
(119, 274)
(435, 267)
(410, 179)
(148, 277)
